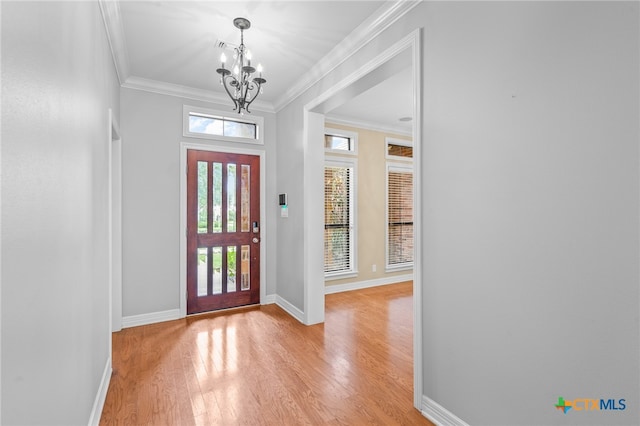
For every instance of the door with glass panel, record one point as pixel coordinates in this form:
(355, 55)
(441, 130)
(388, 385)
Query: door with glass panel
(223, 230)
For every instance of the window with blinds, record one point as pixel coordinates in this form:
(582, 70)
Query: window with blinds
(338, 219)
(399, 217)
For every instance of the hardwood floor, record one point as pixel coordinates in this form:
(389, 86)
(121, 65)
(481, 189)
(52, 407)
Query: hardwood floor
(259, 366)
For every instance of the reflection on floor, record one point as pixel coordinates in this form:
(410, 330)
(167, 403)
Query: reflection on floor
(259, 366)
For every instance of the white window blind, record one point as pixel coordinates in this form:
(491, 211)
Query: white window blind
(338, 219)
(400, 218)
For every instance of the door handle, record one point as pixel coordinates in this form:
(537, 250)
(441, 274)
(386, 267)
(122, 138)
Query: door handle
(255, 239)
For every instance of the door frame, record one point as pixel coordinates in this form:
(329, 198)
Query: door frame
(184, 147)
(313, 129)
(115, 226)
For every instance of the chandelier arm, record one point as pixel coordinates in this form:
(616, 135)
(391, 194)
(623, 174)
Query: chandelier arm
(251, 88)
(257, 89)
(224, 84)
(245, 92)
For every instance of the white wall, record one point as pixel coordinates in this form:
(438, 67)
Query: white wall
(151, 126)
(58, 82)
(530, 189)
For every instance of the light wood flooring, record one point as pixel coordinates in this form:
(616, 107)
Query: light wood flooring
(259, 366)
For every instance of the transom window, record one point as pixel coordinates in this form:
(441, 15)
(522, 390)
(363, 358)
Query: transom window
(398, 149)
(211, 124)
(340, 141)
(221, 126)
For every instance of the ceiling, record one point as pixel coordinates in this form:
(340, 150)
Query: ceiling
(171, 46)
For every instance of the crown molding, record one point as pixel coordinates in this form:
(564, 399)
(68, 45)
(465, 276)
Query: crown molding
(163, 88)
(380, 20)
(363, 34)
(367, 125)
(112, 19)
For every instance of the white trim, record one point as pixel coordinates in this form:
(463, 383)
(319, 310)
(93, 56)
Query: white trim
(101, 395)
(439, 415)
(374, 63)
(401, 267)
(115, 226)
(333, 276)
(150, 318)
(269, 299)
(313, 216)
(185, 92)
(345, 134)
(290, 309)
(114, 28)
(184, 146)
(256, 120)
(339, 288)
(380, 20)
(368, 125)
(416, 54)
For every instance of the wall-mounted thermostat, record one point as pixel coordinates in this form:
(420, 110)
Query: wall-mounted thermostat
(284, 208)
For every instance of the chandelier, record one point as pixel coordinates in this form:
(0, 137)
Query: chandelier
(241, 86)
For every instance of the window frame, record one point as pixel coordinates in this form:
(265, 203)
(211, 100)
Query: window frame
(394, 141)
(351, 163)
(345, 134)
(258, 121)
(401, 168)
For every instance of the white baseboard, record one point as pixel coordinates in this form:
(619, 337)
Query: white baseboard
(173, 314)
(290, 309)
(150, 318)
(270, 299)
(339, 288)
(101, 396)
(439, 415)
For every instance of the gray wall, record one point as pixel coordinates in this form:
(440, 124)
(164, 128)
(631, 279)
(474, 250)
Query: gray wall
(58, 82)
(530, 189)
(152, 132)
(531, 182)
(290, 230)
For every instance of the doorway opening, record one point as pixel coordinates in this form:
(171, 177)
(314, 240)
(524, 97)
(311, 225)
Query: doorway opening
(407, 50)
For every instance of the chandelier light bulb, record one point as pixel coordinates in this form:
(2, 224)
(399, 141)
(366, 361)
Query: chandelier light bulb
(223, 59)
(259, 69)
(248, 55)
